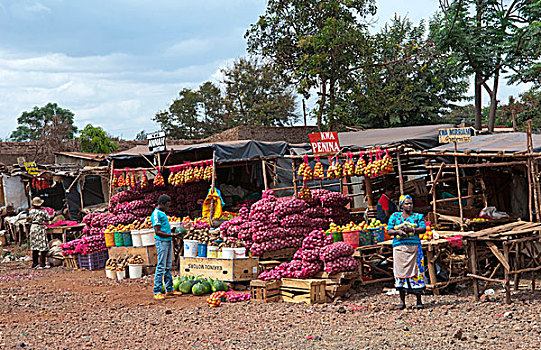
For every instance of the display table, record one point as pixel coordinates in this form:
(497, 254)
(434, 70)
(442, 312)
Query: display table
(67, 233)
(511, 248)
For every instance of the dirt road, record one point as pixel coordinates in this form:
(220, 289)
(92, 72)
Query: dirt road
(66, 309)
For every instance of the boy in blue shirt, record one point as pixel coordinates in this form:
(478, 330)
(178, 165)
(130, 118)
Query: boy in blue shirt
(164, 248)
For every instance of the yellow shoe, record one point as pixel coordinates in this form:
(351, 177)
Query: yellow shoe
(174, 292)
(159, 296)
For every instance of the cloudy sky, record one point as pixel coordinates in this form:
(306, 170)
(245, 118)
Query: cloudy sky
(115, 63)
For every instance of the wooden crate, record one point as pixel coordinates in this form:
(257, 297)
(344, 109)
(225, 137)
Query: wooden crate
(266, 292)
(229, 270)
(70, 262)
(286, 253)
(149, 254)
(338, 284)
(310, 291)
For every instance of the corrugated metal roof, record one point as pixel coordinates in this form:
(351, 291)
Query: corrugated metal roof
(98, 157)
(509, 142)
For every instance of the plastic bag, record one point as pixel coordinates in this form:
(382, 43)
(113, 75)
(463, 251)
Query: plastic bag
(492, 214)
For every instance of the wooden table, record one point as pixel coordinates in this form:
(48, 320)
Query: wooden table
(63, 231)
(370, 258)
(510, 247)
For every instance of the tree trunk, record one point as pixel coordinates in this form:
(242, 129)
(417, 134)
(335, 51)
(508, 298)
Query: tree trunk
(332, 101)
(478, 95)
(322, 101)
(493, 102)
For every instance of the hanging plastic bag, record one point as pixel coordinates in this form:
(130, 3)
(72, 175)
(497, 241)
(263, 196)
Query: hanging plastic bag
(213, 196)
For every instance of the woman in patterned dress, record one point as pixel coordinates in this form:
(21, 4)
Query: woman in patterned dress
(38, 235)
(408, 264)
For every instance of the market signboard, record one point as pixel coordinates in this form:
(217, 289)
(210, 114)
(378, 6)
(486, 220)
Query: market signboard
(156, 141)
(324, 142)
(31, 168)
(454, 135)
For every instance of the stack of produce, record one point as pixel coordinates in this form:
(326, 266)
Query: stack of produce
(136, 260)
(205, 235)
(198, 286)
(84, 246)
(306, 261)
(117, 264)
(337, 257)
(334, 206)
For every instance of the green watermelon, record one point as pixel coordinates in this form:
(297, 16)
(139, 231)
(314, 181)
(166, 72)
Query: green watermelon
(219, 286)
(207, 287)
(198, 289)
(176, 284)
(186, 287)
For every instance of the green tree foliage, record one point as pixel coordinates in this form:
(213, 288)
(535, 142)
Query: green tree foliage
(255, 95)
(32, 124)
(518, 111)
(405, 81)
(141, 136)
(250, 94)
(490, 38)
(95, 140)
(314, 44)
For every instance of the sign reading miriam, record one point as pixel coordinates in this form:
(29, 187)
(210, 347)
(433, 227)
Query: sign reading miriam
(324, 142)
(156, 141)
(454, 135)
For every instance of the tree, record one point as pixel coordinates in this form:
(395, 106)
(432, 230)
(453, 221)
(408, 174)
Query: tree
(405, 81)
(256, 95)
(250, 94)
(181, 120)
(95, 140)
(141, 136)
(315, 44)
(492, 37)
(31, 124)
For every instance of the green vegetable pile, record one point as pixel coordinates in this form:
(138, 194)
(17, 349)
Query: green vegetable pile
(198, 286)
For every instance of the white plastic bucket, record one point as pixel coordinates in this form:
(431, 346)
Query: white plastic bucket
(212, 252)
(110, 274)
(147, 237)
(240, 253)
(136, 270)
(228, 253)
(190, 248)
(120, 275)
(136, 238)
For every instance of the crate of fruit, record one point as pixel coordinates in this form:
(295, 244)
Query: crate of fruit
(94, 261)
(366, 237)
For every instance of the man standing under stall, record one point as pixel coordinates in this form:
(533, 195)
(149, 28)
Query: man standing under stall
(164, 249)
(386, 206)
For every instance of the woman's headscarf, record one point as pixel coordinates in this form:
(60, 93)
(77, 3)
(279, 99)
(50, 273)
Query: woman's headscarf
(402, 199)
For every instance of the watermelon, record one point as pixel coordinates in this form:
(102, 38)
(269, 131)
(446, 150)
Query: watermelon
(186, 287)
(176, 284)
(198, 289)
(207, 287)
(218, 286)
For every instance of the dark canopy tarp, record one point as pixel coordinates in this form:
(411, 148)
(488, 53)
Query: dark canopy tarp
(510, 142)
(232, 151)
(419, 137)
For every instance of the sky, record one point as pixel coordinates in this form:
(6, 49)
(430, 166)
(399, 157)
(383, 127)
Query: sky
(115, 63)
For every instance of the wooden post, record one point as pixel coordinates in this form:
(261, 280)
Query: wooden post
(459, 193)
(506, 274)
(294, 168)
(400, 178)
(472, 246)
(369, 193)
(111, 181)
(81, 194)
(433, 190)
(212, 185)
(537, 189)
(484, 189)
(264, 167)
(432, 269)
